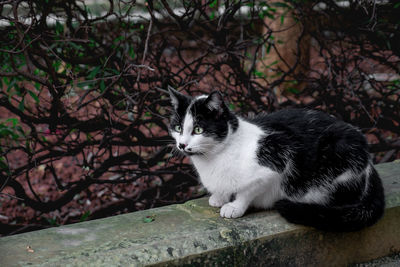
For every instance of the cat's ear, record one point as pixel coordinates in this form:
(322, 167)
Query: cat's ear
(176, 97)
(215, 101)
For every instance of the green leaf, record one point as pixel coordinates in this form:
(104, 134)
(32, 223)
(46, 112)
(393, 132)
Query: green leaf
(52, 221)
(34, 96)
(92, 43)
(119, 38)
(132, 53)
(273, 63)
(18, 90)
(149, 218)
(3, 164)
(6, 80)
(85, 84)
(59, 27)
(94, 72)
(212, 15)
(11, 84)
(14, 121)
(397, 5)
(6, 132)
(213, 4)
(75, 46)
(85, 216)
(112, 71)
(293, 90)
(37, 86)
(28, 146)
(102, 86)
(21, 105)
(259, 73)
(269, 48)
(20, 130)
(280, 4)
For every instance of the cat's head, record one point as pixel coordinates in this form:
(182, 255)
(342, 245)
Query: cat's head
(200, 124)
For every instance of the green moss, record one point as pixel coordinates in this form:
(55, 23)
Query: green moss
(193, 234)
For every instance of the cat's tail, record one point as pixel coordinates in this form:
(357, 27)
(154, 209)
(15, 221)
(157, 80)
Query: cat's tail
(338, 218)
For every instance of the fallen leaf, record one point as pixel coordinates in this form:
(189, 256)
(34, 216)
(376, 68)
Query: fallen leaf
(149, 218)
(29, 249)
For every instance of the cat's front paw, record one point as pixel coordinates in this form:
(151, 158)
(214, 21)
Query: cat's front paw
(216, 201)
(232, 210)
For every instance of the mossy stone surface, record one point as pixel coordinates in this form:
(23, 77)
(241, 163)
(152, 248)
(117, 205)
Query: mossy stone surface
(194, 234)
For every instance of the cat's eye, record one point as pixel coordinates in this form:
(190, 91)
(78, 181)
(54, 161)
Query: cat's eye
(198, 130)
(178, 128)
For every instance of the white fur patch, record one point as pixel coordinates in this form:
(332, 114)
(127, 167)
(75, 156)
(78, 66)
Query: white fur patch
(316, 195)
(201, 96)
(345, 177)
(187, 130)
(174, 101)
(368, 170)
(232, 168)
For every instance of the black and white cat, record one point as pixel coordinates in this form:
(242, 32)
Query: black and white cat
(314, 169)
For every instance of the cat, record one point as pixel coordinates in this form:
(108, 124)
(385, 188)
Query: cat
(314, 169)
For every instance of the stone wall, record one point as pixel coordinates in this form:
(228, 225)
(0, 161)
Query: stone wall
(194, 234)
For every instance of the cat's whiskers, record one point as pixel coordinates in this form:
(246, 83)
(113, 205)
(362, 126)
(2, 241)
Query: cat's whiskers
(175, 153)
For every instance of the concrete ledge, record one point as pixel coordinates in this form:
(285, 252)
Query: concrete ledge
(194, 234)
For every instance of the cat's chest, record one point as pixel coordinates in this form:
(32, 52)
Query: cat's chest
(224, 167)
(221, 173)
(227, 170)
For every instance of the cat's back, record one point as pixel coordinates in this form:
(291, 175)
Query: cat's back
(310, 137)
(301, 121)
(308, 126)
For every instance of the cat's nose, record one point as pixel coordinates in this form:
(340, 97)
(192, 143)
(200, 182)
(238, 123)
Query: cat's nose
(182, 146)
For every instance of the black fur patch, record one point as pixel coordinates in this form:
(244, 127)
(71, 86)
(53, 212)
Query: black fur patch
(343, 217)
(178, 114)
(318, 146)
(214, 122)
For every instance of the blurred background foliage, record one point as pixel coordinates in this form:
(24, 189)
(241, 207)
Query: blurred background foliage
(84, 114)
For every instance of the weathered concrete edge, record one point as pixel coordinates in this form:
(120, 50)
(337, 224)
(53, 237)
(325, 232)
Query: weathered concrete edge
(378, 241)
(194, 234)
(305, 247)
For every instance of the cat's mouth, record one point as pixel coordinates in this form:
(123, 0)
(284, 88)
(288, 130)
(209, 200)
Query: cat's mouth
(191, 153)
